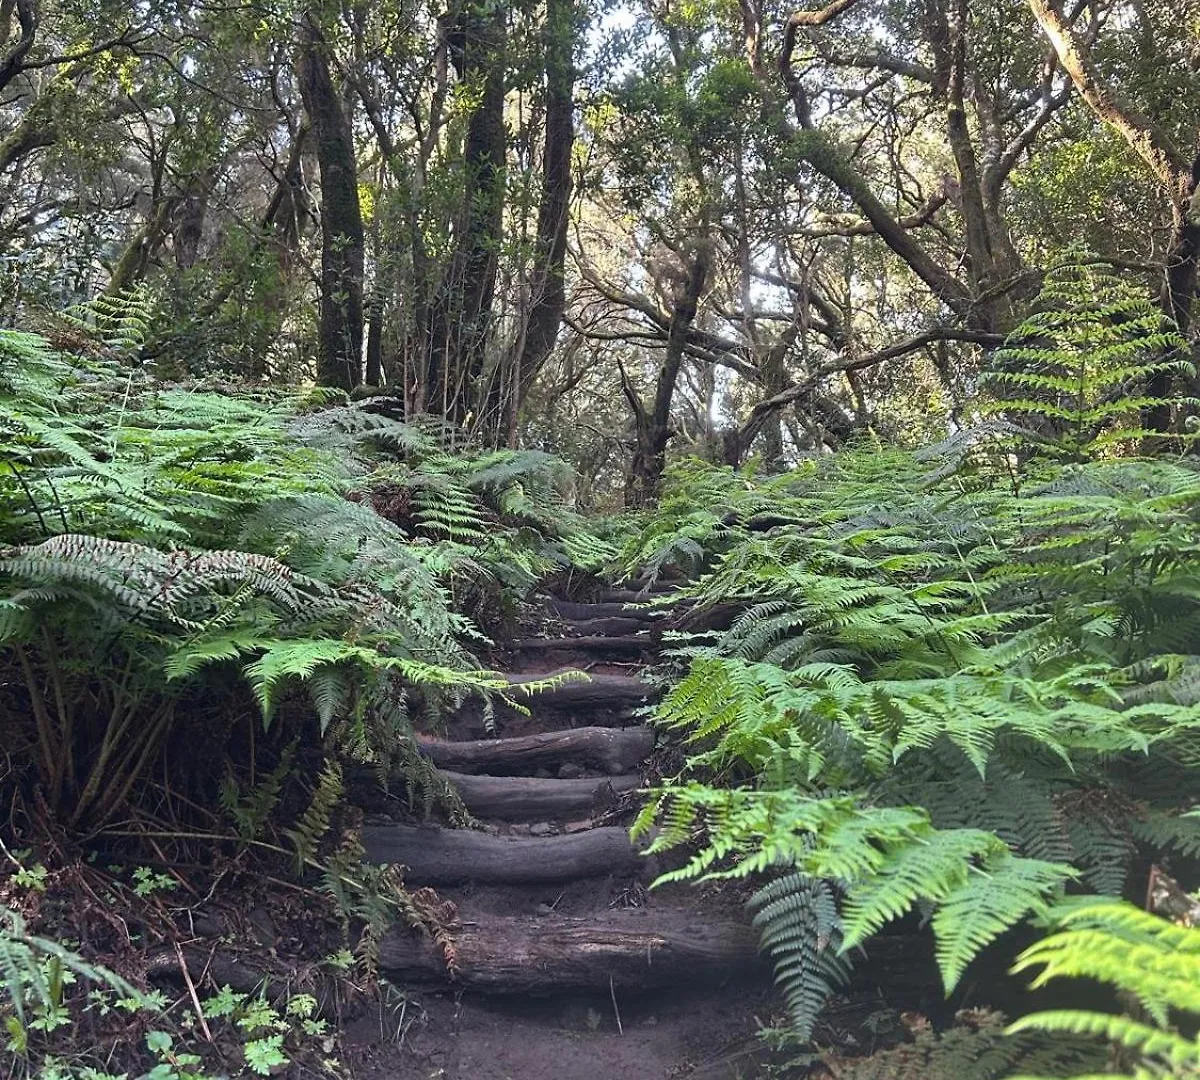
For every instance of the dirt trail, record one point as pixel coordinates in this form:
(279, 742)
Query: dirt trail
(569, 967)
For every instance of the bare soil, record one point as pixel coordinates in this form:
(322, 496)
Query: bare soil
(448, 1037)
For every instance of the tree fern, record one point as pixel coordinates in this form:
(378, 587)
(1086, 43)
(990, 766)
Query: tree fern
(1083, 361)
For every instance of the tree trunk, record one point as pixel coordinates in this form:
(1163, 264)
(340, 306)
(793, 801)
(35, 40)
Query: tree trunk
(434, 856)
(549, 294)
(593, 645)
(654, 427)
(135, 259)
(460, 314)
(339, 346)
(192, 213)
(626, 950)
(597, 691)
(588, 613)
(379, 286)
(615, 750)
(530, 798)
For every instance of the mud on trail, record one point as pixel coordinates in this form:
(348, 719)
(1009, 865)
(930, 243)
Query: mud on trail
(567, 964)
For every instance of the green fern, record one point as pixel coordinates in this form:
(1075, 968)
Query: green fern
(975, 1046)
(31, 973)
(953, 690)
(251, 811)
(799, 927)
(308, 832)
(1148, 958)
(119, 321)
(1082, 362)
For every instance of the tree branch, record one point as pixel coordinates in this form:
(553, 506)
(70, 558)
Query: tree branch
(14, 62)
(760, 412)
(1145, 137)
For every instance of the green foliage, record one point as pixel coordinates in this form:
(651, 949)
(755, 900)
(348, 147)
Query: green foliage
(166, 551)
(800, 928)
(34, 971)
(315, 821)
(960, 689)
(1152, 961)
(975, 1046)
(1084, 363)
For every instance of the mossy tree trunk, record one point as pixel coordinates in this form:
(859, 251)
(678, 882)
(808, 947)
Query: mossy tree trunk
(340, 339)
(461, 312)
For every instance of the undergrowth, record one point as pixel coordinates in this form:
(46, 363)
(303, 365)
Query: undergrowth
(215, 608)
(959, 683)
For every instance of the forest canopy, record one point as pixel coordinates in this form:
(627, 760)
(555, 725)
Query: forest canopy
(607, 232)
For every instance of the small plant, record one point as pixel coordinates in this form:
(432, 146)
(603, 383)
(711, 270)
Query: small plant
(264, 1033)
(147, 882)
(35, 973)
(172, 1064)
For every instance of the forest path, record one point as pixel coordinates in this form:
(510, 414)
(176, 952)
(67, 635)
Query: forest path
(568, 966)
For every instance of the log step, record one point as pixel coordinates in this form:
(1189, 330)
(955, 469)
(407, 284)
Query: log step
(632, 949)
(520, 798)
(613, 626)
(594, 644)
(436, 856)
(582, 613)
(615, 750)
(604, 691)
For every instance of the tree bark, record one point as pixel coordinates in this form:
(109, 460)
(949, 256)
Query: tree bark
(461, 312)
(191, 216)
(340, 340)
(604, 691)
(584, 613)
(549, 292)
(597, 644)
(615, 750)
(626, 950)
(653, 428)
(28, 18)
(434, 856)
(526, 798)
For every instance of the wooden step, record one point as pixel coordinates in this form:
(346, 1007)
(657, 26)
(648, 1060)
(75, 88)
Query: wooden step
(598, 691)
(615, 750)
(567, 609)
(522, 798)
(623, 950)
(610, 626)
(435, 856)
(632, 596)
(597, 644)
